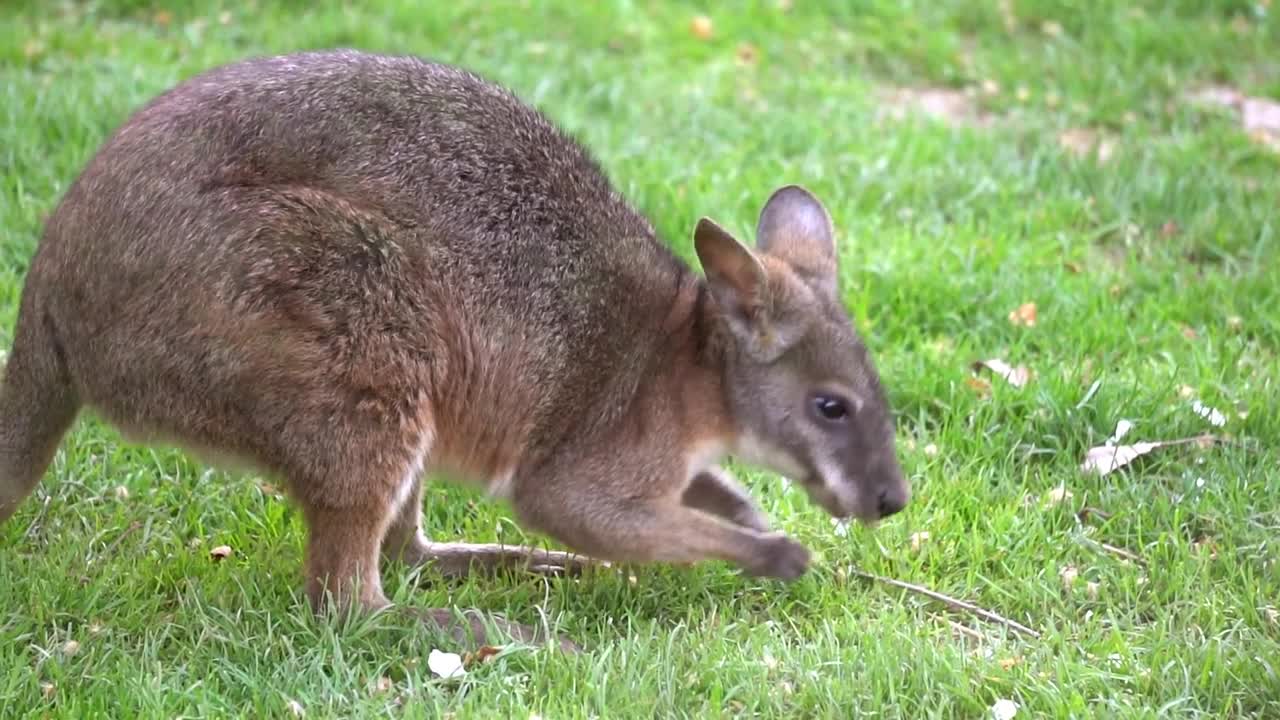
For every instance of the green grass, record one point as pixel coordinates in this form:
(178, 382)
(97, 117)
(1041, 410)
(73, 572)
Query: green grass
(944, 231)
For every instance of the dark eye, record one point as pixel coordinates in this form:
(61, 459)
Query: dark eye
(830, 408)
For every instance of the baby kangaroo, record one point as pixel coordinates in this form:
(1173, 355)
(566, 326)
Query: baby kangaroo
(347, 269)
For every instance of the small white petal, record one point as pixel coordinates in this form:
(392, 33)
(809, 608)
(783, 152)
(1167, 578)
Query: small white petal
(446, 665)
(1003, 709)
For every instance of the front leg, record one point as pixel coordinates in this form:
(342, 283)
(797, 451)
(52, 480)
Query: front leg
(716, 492)
(615, 520)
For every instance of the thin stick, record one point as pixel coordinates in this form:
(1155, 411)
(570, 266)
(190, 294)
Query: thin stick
(951, 602)
(1117, 551)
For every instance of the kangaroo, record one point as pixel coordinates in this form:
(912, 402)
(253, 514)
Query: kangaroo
(348, 270)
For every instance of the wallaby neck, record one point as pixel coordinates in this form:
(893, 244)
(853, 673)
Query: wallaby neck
(698, 348)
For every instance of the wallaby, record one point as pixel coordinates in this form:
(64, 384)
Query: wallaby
(347, 269)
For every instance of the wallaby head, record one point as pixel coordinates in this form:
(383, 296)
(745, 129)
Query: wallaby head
(803, 391)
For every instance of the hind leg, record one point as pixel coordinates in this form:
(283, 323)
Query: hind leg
(406, 542)
(37, 405)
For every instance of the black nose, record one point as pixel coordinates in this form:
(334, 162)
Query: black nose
(890, 502)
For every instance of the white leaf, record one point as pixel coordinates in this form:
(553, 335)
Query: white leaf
(1109, 458)
(1016, 376)
(1003, 709)
(446, 665)
(1122, 428)
(1213, 415)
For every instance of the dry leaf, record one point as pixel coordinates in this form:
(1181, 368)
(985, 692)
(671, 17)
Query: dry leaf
(1110, 457)
(918, 539)
(1004, 709)
(1273, 615)
(1169, 229)
(1059, 495)
(46, 690)
(446, 665)
(747, 54)
(1068, 576)
(1024, 315)
(383, 684)
(1084, 142)
(163, 18)
(122, 492)
(1010, 663)
(1051, 28)
(1188, 332)
(70, 647)
(1091, 589)
(979, 385)
(295, 708)
(1072, 267)
(1015, 376)
(221, 552)
(482, 655)
(701, 27)
(931, 450)
(1235, 322)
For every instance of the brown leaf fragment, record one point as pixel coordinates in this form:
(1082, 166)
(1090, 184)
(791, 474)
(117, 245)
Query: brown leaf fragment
(747, 54)
(1016, 376)
(979, 386)
(481, 655)
(1169, 229)
(701, 27)
(1024, 315)
(163, 18)
(220, 552)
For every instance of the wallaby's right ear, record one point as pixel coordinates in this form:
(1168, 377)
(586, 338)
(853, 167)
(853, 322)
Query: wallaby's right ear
(736, 277)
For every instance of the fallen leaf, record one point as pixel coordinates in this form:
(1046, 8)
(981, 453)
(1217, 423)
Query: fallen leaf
(978, 385)
(70, 647)
(945, 105)
(163, 18)
(1010, 663)
(446, 665)
(747, 54)
(1085, 142)
(221, 552)
(482, 655)
(1169, 229)
(122, 492)
(918, 539)
(1235, 322)
(1068, 576)
(701, 27)
(1213, 415)
(1259, 117)
(1110, 457)
(295, 708)
(1004, 709)
(1122, 428)
(1025, 315)
(1051, 28)
(1072, 267)
(1059, 495)
(1188, 332)
(1273, 615)
(1015, 376)
(47, 689)
(1091, 589)
(931, 450)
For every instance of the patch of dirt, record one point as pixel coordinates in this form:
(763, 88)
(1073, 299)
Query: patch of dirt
(956, 108)
(1259, 117)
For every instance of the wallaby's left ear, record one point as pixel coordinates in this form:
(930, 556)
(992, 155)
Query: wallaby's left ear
(796, 228)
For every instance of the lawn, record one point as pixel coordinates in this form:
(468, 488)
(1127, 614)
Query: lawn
(1067, 168)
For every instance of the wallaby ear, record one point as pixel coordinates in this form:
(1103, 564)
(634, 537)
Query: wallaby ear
(736, 277)
(796, 228)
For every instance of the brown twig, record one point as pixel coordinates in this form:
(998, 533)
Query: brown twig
(949, 601)
(1118, 551)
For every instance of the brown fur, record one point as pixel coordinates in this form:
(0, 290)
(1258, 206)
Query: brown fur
(346, 269)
